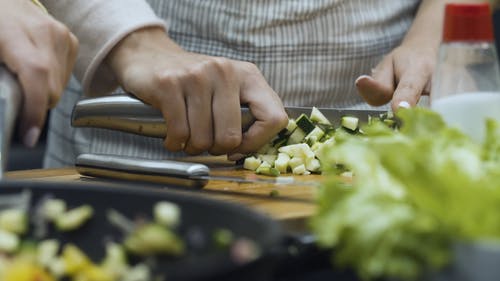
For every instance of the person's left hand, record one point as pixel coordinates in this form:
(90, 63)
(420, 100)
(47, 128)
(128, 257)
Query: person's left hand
(401, 77)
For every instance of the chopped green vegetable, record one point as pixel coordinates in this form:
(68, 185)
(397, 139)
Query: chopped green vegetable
(154, 239)
(9, 242)
(74, 219)
(223, 238)
(274, 193)
(14, 220)
(167, 213)
(416, 191)
(52, 208)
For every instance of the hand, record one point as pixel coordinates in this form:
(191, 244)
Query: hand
(199, 96)
(402, 76)
(41, 52)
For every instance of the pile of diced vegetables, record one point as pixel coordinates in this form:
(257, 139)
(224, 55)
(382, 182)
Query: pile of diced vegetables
(298, 148)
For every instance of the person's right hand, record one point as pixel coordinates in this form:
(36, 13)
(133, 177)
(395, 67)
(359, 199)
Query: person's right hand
(200, 96)
(41, 52)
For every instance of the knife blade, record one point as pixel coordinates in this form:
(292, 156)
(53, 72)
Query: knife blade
(170, 172)
(126, 113)
(10, 101)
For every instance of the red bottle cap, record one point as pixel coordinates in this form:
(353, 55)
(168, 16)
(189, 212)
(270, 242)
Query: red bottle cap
(468, 22)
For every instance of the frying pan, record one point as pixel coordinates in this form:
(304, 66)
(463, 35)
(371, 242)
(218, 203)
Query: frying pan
(198, 215)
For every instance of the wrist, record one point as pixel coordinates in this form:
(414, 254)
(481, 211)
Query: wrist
(146, 41)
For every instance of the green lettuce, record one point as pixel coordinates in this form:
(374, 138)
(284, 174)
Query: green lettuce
(415, 192)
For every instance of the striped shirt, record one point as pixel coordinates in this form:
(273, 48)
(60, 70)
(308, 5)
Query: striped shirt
(310, 52)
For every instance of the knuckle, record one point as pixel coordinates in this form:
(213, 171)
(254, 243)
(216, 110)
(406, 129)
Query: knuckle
(230, 139)
(199, 145)
(250, 67)
(407, 86)
(221, 65)
(40, 67)
(165, 79)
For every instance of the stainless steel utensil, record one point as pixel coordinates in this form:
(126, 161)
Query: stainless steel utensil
(129, 114)
(163, 171)
(10, 101)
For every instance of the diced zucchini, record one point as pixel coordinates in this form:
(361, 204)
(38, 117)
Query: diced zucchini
(280, 142)
(269, 158)
(272, 150)
(296, 137)
(167, 213)
(264, 164)
(291, 125)
(268, 171)
(9, 242)
(139, 272)
(151, 239)
(223, 238)
(295, 161)
(47, 251)
(297, 150)
(313, 165)
(75, 218)
(305, 124)
(57, 267)
(274, 193)
(299, 170)
(264, 148)
(350, 122)
(281, 163)
(251, 163)
(52, 208)
(115, 260)
(314, 136)
(318, 117)
(14, 220)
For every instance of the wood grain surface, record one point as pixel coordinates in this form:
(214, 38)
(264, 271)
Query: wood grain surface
(293, 205)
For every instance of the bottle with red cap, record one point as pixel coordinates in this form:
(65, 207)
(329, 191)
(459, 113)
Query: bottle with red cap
(466, 82)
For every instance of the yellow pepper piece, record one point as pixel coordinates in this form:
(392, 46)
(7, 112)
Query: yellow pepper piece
(20, 270)
(74, 259)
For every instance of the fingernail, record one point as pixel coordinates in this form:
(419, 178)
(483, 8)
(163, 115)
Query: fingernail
(31, 137)
(404, 104)
(361, 77)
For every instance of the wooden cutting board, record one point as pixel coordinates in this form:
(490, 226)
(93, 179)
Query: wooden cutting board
(292, 206)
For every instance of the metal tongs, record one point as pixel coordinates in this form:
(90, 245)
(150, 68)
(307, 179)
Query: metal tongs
(10, 101)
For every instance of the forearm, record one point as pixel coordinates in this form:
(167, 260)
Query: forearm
(100, 25)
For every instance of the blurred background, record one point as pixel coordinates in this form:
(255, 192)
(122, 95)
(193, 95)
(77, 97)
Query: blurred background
(21, 158)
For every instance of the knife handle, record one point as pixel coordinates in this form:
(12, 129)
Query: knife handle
(11, 96)
(126, 113)
(137, 169)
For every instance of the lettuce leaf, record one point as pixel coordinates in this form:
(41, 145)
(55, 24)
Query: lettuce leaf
(415, 192)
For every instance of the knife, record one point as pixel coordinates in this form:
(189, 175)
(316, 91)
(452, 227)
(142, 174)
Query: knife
(126, 113)
(10, 101)
(170, 172)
